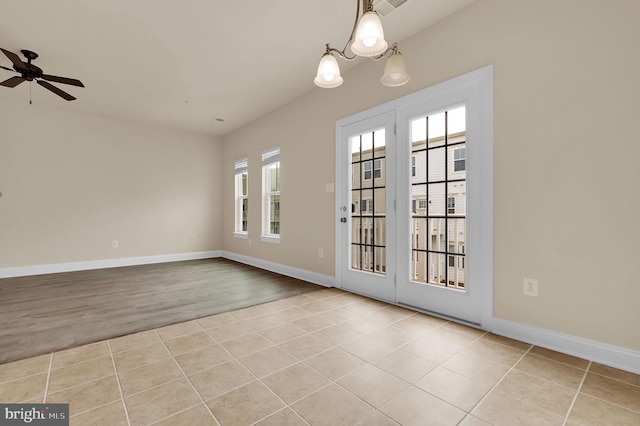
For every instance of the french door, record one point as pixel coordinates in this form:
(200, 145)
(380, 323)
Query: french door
(366, 206)
(415, 199)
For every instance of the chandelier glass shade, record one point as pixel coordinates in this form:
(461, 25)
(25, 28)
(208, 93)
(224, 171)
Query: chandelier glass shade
(366, 40)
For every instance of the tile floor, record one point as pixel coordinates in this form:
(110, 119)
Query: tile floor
(323, 358)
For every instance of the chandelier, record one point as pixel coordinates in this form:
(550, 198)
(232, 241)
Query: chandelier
(366, 40)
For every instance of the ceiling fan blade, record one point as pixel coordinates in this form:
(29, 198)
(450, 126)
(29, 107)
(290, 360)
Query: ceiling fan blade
(13, 81)
(64, 80)
(7, 68)
(15, 59)
(55, 90)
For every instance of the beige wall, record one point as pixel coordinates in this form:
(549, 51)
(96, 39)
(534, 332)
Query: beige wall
(73, 182)
(566, 108)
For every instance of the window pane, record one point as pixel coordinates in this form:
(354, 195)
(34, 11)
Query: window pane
(436, 164)
(456, 121)
(437, 199)
(274, 177)
(274, 219)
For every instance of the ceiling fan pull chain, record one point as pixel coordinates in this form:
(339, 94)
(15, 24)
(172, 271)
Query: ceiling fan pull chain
(30, 87)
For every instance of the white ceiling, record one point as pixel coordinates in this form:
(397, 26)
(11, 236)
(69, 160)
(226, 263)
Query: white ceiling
(186, 63)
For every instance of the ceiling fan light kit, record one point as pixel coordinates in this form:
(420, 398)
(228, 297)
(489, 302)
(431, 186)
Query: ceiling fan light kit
(30, 72)
(366, 40)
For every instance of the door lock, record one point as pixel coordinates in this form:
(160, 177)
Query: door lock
(343, 220)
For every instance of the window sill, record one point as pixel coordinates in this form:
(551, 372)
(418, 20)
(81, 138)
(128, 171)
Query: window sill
(270, 239)
(243, 235)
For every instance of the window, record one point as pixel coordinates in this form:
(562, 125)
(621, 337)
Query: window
(241, 197)
(367, 205)
(451, 205)
(377, 169)
(422, 204)
(271, 195)
(459, 159)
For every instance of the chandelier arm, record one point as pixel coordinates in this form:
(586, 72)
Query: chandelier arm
(353, 33)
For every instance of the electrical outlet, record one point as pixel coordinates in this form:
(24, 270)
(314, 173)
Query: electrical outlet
(320, 253)
(115, 244)
(530, 287)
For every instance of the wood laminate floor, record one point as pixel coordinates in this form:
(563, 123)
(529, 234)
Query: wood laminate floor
(46, 313)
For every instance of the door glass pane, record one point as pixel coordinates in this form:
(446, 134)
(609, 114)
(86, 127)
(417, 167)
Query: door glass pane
(368, 202)
(438, 198)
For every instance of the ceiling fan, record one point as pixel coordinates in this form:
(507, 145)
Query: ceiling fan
(30, 72)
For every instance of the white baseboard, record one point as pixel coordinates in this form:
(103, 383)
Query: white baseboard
(301, 274)
(603, 353)
(22, 271)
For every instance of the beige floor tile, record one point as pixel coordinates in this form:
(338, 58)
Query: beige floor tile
(337, 334)
(295, 382)
(216, 320)
(495, 352)
(189, 343)
(473, 421)
(312, 323)
(559, 357)
(232, 408)
(87, 396)
(26, 367)
(373, 385)
(364, 325)
(392, 336)
(160, 402)
(543, 393)
(282, 333)
(416, 407)
(176, 330)
(612, 390)
(387, 316)
(334, 363)
(267, 361)
(246, 345)
(477, 367)
(23, 389)
(365, 306)
(133, 341)
(415, 326)
(79, 373)
(591, 411)
(250, 312)
(230, 331)
(614, 373)
(286, 417)
(405, 365)
(551, 370)
(148, 376)
(275, 306)
(138, 357)
(332, 406)
(203, 358)
(378, 419)
(263, 321)
(194, 416)
(367, 348)
(111, 414)
(500, 409)
(317, 306)
(292, 314)
(515, 344)
(461, 328)
(454, 388)
(438, 345)
(219, 380)
(301, 299)
(80, 354)
(339, 315)
(305, 346)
